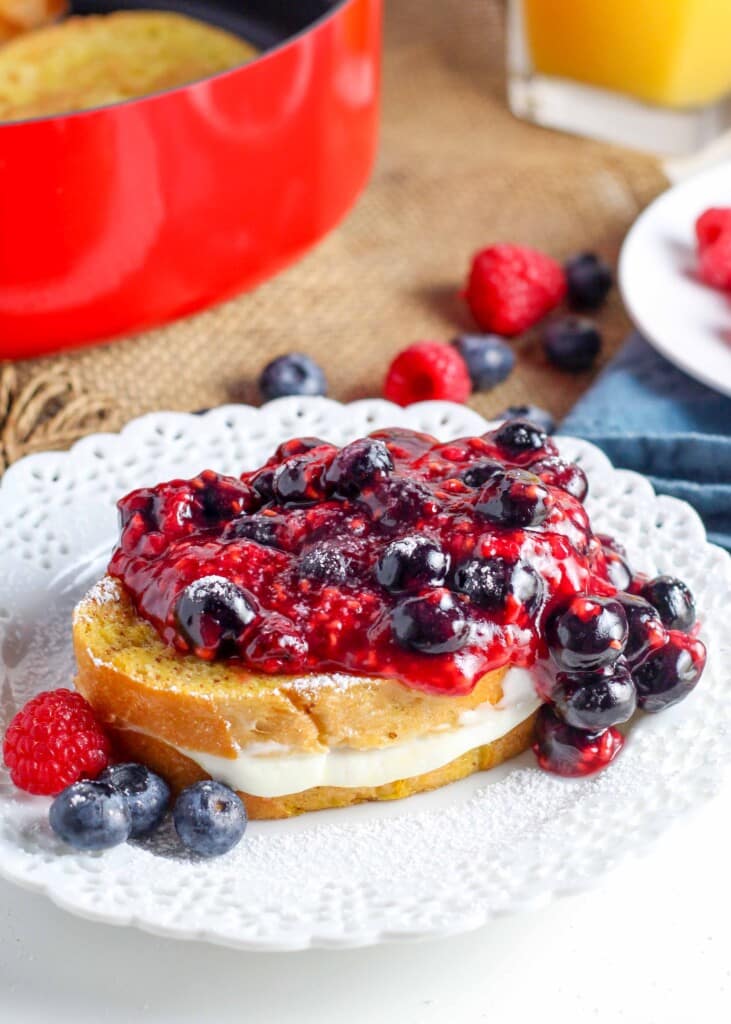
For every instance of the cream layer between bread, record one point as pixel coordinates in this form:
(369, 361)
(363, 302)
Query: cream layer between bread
(271, 770)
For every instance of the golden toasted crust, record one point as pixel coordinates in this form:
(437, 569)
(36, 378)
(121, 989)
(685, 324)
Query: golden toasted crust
(180, 772)
(101, 59)
(135, 682)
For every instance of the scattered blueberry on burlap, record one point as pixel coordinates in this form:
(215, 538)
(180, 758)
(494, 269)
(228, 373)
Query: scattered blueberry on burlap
(650, 417)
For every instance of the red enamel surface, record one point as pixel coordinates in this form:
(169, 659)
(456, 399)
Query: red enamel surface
(167, 543)
(133, 214)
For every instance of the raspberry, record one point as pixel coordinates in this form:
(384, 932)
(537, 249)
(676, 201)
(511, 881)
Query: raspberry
(715, 262)
(713, 232)
(427, 370)
(511, 287)
(53, 741)
(711, 225)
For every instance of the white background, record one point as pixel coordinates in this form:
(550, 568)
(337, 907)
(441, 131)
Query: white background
(650, 945)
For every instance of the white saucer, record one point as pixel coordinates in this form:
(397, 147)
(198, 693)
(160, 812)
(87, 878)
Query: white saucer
(685, 320)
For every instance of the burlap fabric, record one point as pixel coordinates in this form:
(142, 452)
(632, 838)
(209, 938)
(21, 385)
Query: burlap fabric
(456, 172)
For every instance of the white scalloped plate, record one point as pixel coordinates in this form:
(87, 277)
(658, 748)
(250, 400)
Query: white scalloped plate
(684, 319)
(429, 866)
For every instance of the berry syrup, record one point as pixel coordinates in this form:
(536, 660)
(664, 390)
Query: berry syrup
(300, 541)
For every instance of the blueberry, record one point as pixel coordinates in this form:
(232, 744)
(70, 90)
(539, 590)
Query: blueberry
(645, 631)
(359, 465)
(565, 750)
(485, 581)
(433, 623)
(146, 794)
(567, 476)
(572, 343)
(220, 498)
(412, 562)
(91, 816)
(294, 374)
(479, 472)
(278, 645)
(324, 563)
(673, 601)
(526, 585)
(397, 502)
(489, 582)
(669, 674)
(214, 505)
(533, 413)
(515, 499)
(263, 483)
(489, 359)
(619, 573)
(589, 280)
(589, 633)
(141, 505)
(516, 437)
(595, 700)
(298, 481)
(211, 614)
(297, 446)
(611, 544)
(409, 442)
(210, 818)
(263, 529)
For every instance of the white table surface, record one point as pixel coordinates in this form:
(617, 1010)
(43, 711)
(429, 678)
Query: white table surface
(650, 945)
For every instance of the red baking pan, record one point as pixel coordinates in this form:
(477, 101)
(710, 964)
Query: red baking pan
(115, 219)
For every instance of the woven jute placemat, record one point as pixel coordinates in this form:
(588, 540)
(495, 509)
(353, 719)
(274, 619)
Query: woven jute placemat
(456, 172)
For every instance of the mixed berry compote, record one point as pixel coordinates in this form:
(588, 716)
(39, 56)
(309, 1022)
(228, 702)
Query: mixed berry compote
(399, 556)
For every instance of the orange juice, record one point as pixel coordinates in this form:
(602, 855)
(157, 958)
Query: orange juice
(674, 53)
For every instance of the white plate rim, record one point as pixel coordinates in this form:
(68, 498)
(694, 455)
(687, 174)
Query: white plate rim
(631, 274)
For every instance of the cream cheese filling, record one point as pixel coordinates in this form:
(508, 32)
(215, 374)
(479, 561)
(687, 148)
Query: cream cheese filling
(268, 770)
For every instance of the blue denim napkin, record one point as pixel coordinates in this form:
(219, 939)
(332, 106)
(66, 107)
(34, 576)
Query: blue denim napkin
(650, 417)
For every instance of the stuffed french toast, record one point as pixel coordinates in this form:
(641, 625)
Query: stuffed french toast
(373, 621)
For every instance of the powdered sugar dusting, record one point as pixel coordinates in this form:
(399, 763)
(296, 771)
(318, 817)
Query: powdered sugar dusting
(104, 591)
(338, 682)
(99, 662)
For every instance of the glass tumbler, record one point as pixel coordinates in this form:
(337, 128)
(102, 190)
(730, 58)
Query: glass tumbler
(653, 74)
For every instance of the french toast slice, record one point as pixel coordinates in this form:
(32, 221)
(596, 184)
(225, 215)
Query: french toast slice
(92, 61)
(157, 704)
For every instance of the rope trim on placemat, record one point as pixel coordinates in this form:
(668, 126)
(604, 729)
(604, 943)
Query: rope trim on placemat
(51, 411)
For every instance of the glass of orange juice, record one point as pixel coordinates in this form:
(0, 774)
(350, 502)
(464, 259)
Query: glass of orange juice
(655, 74)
